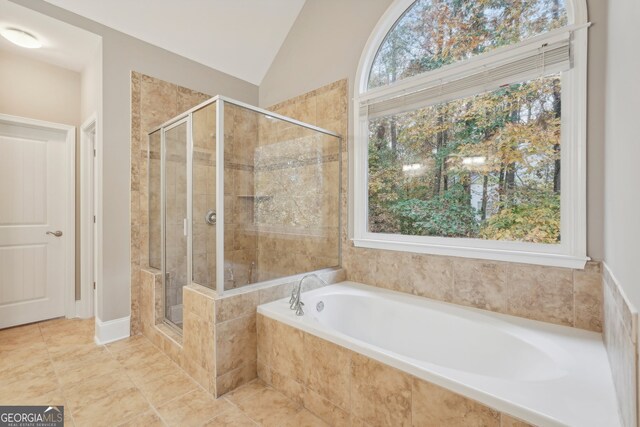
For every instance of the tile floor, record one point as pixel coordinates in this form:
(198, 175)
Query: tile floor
(126, 383)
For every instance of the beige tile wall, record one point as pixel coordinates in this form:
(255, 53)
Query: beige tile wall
(153, 102)
(296, 213)
(218, 345)
(235, 329)
(195, 349)
(557, 295)
(240, 241)
(204, 195)
(621, 341)
(570, 297)
(176, 211)
(345, 388)
(310, 232)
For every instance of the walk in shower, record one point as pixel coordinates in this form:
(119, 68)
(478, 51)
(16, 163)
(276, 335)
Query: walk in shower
(271, 211)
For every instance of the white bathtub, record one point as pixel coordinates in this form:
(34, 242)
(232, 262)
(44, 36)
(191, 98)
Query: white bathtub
(545, 374)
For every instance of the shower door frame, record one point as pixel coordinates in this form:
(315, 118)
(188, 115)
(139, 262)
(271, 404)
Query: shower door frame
(187, 117)
(163, 206)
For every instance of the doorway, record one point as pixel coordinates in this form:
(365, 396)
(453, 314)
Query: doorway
(37, 217)
(88, 218)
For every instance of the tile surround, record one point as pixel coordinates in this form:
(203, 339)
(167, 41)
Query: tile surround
(563, 296)
(218, 346)
(556, 295)
(344, 388)
(236, 329)
(621, 341)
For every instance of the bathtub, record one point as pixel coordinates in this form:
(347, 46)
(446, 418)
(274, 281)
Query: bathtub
(545, 374)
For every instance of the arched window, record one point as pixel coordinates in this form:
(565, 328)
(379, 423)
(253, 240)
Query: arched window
(470, 131)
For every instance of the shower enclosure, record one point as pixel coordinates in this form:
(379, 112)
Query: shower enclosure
(239, 195)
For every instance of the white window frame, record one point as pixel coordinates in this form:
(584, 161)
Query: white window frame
(571, 251)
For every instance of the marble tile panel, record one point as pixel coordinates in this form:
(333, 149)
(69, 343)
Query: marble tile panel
(327, 366)
(380, 395)
(291, 388)
(325, 410)
(269, 407)
(436, 406)
(234, 379)
(622, 352)
(541, 293)
(588, 295)
(236, 343)
(235, 306)
(480, 284)
(287, 351)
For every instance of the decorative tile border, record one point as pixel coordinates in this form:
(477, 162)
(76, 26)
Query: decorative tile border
(286, 163)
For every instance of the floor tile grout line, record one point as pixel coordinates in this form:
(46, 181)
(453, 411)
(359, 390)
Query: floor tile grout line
(53, 366)
(111, 355)
(254, 393)
(240, 409)
(153, 408)
(184, 372)
(300, 408)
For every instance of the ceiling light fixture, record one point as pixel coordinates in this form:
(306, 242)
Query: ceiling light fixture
(21, 38)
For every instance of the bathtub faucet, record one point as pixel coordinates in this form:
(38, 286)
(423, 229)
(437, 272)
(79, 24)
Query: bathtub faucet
(295, 303)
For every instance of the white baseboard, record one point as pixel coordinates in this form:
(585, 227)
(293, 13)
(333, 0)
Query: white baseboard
(112, 330)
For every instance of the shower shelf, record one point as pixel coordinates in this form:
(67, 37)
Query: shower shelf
(258, 198)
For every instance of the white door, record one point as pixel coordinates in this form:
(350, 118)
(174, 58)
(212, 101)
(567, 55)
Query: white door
(34, 209)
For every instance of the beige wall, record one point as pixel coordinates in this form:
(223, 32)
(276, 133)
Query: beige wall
(91, 82)
(38, 90)
(325, 45)
(621, 202)
(120, 55)
(622, 150)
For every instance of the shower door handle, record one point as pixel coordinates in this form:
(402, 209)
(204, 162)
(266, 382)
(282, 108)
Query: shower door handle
(185, 227)
(210, 218)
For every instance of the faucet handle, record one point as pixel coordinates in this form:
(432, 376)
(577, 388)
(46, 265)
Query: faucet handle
(299, 310)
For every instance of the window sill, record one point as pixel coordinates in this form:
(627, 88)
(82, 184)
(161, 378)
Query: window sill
(493, 254)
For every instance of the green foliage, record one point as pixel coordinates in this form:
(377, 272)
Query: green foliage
(448, 214)
(535, 221)
(486, 166)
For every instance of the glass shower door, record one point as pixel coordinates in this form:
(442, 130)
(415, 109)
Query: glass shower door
(175, 219)
(205, 215)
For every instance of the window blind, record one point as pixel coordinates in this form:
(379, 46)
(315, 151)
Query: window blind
(474, 78)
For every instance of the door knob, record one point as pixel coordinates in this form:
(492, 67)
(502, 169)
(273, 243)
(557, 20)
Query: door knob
(55, 233)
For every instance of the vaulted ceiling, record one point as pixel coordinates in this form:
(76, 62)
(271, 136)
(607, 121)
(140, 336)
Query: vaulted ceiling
(238, 37)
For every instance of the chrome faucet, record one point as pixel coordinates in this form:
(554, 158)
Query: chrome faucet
(295, 303)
